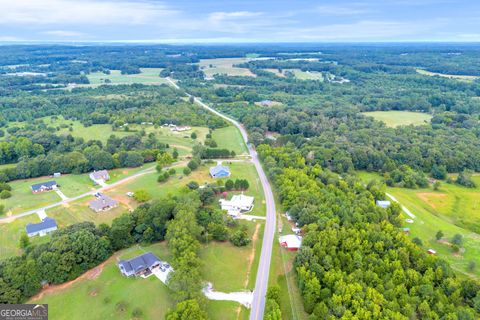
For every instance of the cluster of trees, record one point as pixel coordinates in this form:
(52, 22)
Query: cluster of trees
(406, 177)
(203, 152)
(354, 260)
(238, 184)
(5, 191)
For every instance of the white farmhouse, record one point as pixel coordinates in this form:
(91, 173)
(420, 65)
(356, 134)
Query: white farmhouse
(238, 204)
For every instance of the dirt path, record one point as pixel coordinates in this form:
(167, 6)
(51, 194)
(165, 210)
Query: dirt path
(250, 261)
(89, 275)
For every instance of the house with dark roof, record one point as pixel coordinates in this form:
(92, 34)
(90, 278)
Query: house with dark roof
(102, 203)
(219, 171)
(41, 229)
(44, 186)
(100, 175)
(139, 266)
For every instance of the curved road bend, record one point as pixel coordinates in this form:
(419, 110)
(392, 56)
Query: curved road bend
(90, 193)
(261, 283)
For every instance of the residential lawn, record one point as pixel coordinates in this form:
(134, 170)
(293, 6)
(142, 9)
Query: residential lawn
(74, 184)
(230, 138)
(451, 76)
(122, 173)
(10, 236)
(23, 199)
(147, 76)
(78, 211)
(400, 118)
(224, 66)
(98, 297)
(227, 267)
(177, 182)
(226, 310)
(440, 210)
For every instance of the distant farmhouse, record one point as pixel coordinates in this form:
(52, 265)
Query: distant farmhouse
(219, 171)
(100, 175)
(238, 204)
(383, 204)
(41, 229)
(180, 129)
(102, 203)
(266, 103)
(140, 266)
(44, 186)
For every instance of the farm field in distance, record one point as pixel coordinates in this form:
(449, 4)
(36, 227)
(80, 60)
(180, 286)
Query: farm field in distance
(224, 66)
(453, 210)
(400, 118)
(150, 76)
(450, 76)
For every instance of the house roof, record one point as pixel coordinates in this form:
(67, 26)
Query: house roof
(218, 169)
(47, 184)
(242, 200)
(47, 223)
(383, 203)
(291, 240)
(102, 202)
(146, 260)
(100, 174)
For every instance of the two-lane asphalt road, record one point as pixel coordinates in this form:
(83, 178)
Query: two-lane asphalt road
(261, 284)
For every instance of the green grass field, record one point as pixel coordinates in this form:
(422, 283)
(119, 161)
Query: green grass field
(23, 199)
(10, 236)
(147, 76)
(450, 76)
(400, 118)
(230, 138)
(441, 210)
(224, 66)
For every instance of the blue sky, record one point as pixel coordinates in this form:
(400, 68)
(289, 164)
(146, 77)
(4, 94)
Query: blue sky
(239, 21)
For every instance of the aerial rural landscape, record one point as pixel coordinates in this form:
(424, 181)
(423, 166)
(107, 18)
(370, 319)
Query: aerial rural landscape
(222, 165)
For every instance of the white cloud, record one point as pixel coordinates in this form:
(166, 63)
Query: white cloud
(87, 12)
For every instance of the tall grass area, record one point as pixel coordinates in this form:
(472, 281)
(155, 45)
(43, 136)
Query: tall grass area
(230, 138)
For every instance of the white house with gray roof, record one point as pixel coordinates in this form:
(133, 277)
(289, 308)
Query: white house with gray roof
(41, 229)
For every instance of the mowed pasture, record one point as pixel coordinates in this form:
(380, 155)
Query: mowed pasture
(450, 76)
(149, 76)
(453, 210)
(230, 138)
(400, 118)
(224, 66)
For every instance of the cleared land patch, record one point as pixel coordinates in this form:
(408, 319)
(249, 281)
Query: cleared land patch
(146, 76)
(229, 138)
(450, 76)
(224, 66)
(400, 118)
